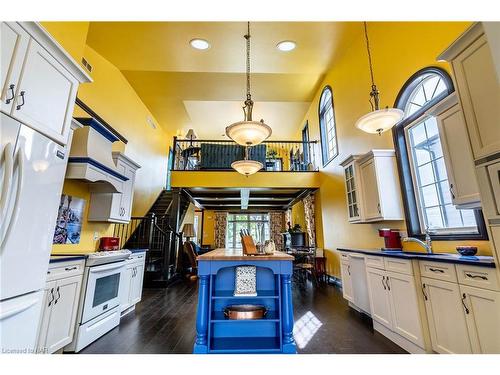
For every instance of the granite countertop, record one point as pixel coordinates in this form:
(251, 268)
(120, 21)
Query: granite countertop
(237, 254)
(65, 258)
(484, 261)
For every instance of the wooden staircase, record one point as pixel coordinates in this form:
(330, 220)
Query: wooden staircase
(157, 231)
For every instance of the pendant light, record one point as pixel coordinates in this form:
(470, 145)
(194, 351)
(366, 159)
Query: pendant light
(246, 166)
(378, 120)
(248, 132)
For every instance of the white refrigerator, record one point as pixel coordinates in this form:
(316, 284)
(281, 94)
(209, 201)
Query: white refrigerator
(32, 169)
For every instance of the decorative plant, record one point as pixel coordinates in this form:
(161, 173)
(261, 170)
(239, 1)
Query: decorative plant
(272, 154)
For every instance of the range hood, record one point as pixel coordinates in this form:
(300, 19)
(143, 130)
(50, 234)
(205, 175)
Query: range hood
(91, 160)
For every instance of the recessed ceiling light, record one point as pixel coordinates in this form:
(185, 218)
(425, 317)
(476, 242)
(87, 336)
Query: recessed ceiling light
(199, 44)
(286, 45)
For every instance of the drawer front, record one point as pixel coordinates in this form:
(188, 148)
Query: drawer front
(398, 265)
(375, 262)
(438, 270)
(480, 277)
(62, 270)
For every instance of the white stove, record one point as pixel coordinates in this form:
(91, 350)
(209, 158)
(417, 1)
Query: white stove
(105, 257)
(99, 308)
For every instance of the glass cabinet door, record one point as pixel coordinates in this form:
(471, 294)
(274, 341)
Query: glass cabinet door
(352, 199)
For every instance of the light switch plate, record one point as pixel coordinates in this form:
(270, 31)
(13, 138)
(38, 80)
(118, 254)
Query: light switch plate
(96, 236)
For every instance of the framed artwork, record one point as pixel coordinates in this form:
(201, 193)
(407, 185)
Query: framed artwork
(69, 220)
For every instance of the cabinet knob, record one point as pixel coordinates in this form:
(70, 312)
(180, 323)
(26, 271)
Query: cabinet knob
(11, 89)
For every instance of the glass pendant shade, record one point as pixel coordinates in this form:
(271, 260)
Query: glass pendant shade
(247, 167)
(379, 121)
(248, 133)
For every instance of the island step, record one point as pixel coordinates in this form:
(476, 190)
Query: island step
(245, 345)
(229, 294)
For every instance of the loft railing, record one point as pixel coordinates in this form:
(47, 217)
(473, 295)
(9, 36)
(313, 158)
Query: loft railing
(217, 155)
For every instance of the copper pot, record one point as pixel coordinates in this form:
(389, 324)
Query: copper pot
(245, 312)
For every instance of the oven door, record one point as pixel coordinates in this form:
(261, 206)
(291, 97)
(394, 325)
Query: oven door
(103, 289)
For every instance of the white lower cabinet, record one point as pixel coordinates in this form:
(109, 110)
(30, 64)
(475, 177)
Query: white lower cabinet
(394, 304)
(345, 271)
(445, 314)
(60, 307)
(131, 289)
(406, 319)
(482, 315)
(379, 296)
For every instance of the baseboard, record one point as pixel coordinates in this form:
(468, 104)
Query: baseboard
(398, 339)
(126, 311)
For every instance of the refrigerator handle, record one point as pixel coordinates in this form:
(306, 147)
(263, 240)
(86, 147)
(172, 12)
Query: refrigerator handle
(18, 309)
(9, 171)
(20, 182)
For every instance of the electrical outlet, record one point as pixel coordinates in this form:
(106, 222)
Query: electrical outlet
(403, 234)
(96, 236)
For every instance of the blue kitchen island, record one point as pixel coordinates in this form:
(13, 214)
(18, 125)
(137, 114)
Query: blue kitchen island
(271, 334)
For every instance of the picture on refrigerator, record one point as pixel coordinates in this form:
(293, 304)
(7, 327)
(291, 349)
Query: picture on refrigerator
(69, 220)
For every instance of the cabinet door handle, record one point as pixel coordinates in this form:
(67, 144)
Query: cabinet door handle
(476, 276)
(58, 295)
(52, 295)
(463, 303)
(423, 291)
(387, 283)
(11, 88)
(18, 107)
(383, 284)
(436, 270)
(349, 269)
(70, 268)
(378, 208)
(452, 192)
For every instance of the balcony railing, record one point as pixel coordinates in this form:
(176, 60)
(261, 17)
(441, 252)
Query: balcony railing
(217, 155)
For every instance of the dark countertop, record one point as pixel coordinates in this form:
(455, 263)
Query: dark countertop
(484, 261)
(65, 258)
(135, 251)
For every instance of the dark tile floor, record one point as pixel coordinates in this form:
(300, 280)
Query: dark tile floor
(164, 322)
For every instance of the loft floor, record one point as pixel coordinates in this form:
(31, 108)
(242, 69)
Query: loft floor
(164, 322)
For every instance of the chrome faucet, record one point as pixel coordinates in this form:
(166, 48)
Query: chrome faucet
(427, 245)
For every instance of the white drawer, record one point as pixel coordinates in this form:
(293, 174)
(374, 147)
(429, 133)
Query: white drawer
(60, 270)
(137, 257)
(481, 277)
(398, 265)
(375, 261)
(438, 270)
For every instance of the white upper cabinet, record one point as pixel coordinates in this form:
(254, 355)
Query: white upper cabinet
(372, 187)
(457, 153)
(116, 207)
(478, 89)
(39, 79)
(14, 42)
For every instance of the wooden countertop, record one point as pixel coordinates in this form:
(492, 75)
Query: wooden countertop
(237, 254)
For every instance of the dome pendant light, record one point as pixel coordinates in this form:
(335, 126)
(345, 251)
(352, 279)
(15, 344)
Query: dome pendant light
(378, 120)
(246, 166)
(248, 132)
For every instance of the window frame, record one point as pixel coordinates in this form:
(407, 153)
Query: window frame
(399, 133)
(324, 132)
(247, 221)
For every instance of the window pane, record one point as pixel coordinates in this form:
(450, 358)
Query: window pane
(423, 156)
(431, 127)
(417, 134)
(430, 196)
(468, 218)
(425, 174)
(434, 147)
(433, 217)
(453, 216)
(445, 191)
(440, 169)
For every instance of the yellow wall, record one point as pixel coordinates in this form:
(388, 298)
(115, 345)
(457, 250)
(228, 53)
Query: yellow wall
(398, 51)
(112, 97)
(298, 215)
(208, 227)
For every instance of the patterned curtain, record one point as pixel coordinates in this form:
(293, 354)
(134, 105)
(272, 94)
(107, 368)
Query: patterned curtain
(277, 226)
(310, 221)
(288, 217)
(220, 229)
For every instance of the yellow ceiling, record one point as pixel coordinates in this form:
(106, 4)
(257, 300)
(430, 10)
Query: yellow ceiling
(184, 87)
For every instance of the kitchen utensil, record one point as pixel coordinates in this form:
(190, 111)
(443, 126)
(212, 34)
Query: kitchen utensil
(245, 312)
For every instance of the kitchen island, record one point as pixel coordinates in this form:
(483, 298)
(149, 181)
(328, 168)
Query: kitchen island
(271, 334)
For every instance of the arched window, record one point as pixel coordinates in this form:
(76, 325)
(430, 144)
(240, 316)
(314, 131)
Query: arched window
(426, 190)
(328, 131)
